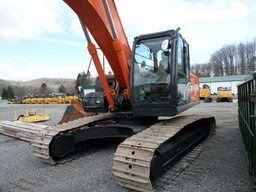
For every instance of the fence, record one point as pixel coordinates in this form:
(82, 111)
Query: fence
(247, 117)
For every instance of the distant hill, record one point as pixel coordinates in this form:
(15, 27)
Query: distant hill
(33, 86)
(52, 83)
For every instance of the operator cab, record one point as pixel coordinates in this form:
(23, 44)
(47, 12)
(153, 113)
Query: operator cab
(160, 74)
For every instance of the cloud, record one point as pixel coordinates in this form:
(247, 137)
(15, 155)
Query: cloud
(29, 18)
(236, 10)
(206, 2)
(75, 26)
(60, 41)
(253, 7)
(148, 14)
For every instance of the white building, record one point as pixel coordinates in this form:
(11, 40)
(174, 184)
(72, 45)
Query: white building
(223, 81)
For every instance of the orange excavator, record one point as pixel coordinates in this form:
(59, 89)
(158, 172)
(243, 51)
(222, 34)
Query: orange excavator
(151, 80)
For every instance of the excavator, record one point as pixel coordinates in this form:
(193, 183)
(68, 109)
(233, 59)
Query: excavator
(205, 93)
(140, 103)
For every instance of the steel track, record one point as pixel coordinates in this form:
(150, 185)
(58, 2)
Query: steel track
(143, 157)
(42, 145)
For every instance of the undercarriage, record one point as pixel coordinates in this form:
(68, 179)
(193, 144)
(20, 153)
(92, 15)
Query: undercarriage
(149, 146)
(57, 142)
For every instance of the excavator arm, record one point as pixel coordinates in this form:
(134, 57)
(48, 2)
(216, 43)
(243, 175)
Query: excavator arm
(100, 18)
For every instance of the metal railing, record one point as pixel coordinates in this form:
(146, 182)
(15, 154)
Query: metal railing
(247, 117)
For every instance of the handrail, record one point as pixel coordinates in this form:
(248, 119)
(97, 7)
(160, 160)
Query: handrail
(247, 124)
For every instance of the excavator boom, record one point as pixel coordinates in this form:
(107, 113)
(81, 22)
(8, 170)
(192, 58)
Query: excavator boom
(93, 16)
(101, 19)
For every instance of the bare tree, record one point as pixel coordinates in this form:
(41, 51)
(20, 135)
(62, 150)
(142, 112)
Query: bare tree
(229, 60)
(250, 54)
(216, 62)
(195, 69)
(241, 54)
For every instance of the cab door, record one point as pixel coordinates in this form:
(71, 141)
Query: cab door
(183, 72)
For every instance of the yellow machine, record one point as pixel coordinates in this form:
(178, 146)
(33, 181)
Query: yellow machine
(31, 115)
(205, 93)
(224, 94)
(51, 100)
(26, 101)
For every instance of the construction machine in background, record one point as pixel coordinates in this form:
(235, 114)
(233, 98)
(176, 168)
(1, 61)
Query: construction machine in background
(151, 80)
(31, 115)
(205, 93)
(224, 94)
(50, 100)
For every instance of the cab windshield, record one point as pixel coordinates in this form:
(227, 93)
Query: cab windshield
(152, 61)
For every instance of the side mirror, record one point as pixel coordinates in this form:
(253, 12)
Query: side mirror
(164, 45)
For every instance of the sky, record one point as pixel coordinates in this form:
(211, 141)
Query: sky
(43, 38)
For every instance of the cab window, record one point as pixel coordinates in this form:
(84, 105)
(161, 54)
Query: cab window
(182, 60)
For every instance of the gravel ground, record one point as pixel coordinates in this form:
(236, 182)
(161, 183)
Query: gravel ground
(220, 167)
